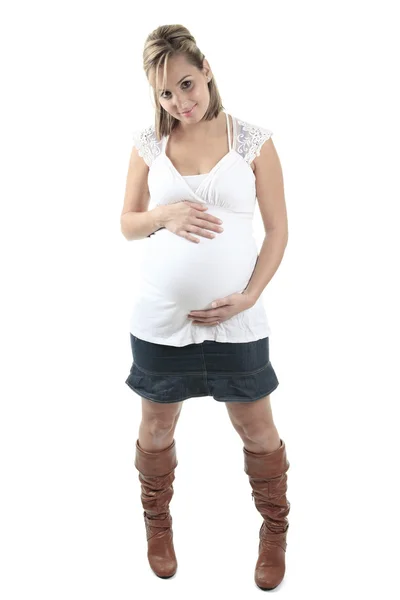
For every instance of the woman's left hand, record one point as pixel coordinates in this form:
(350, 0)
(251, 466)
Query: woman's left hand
(222, 309)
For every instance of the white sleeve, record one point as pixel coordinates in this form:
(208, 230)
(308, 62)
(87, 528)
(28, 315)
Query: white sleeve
(141, 141)
(260, 135)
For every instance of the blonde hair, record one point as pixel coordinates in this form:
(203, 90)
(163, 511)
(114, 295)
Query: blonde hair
(160, 44)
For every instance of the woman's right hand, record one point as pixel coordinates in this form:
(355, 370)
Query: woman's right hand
(186, 217)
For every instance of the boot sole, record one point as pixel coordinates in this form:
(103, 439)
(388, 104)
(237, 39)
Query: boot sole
(267, 589)
(165, 576)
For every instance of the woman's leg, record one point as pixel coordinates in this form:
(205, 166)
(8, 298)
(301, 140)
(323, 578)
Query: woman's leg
(156, 460)
(254, 423)
(266, 464)
(157, 428)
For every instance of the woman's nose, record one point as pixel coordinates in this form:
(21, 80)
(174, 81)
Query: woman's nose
(181, 102)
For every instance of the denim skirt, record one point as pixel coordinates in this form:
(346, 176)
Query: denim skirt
(229, 372)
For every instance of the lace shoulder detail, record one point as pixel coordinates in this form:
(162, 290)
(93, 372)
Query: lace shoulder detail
(146, 142)
(249, 139)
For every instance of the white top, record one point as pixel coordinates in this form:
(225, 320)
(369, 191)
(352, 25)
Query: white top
(194, 180)
(178, 275)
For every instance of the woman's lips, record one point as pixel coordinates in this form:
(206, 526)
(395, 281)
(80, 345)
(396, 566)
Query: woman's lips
(189, 113)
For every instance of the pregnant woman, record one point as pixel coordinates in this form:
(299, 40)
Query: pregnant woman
(199, 327)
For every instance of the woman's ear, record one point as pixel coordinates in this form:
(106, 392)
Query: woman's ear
(207, 70)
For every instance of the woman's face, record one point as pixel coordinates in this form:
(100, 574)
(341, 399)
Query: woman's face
(185, 89)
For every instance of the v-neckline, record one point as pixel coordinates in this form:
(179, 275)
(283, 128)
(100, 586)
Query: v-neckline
(215, 167)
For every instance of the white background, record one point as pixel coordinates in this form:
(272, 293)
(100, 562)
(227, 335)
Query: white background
(324, 77)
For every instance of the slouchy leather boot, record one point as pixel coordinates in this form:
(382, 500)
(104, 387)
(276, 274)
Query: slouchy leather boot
(267, 475)
(156, 474)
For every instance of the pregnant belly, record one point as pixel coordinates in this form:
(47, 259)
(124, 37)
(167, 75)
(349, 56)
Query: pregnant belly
(191, 274)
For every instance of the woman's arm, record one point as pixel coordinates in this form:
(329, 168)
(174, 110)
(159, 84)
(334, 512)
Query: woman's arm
(139, 225)
(268, 261)
(271, 200)
(137, 222)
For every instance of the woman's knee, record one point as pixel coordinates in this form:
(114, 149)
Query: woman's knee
(252, 420)
(160, 419)
(257, 433)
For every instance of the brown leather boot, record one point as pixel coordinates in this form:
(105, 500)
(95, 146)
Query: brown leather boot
(156, 474)
(267, 475)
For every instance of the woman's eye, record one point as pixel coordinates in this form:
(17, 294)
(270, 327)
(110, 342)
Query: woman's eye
(183, 83)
